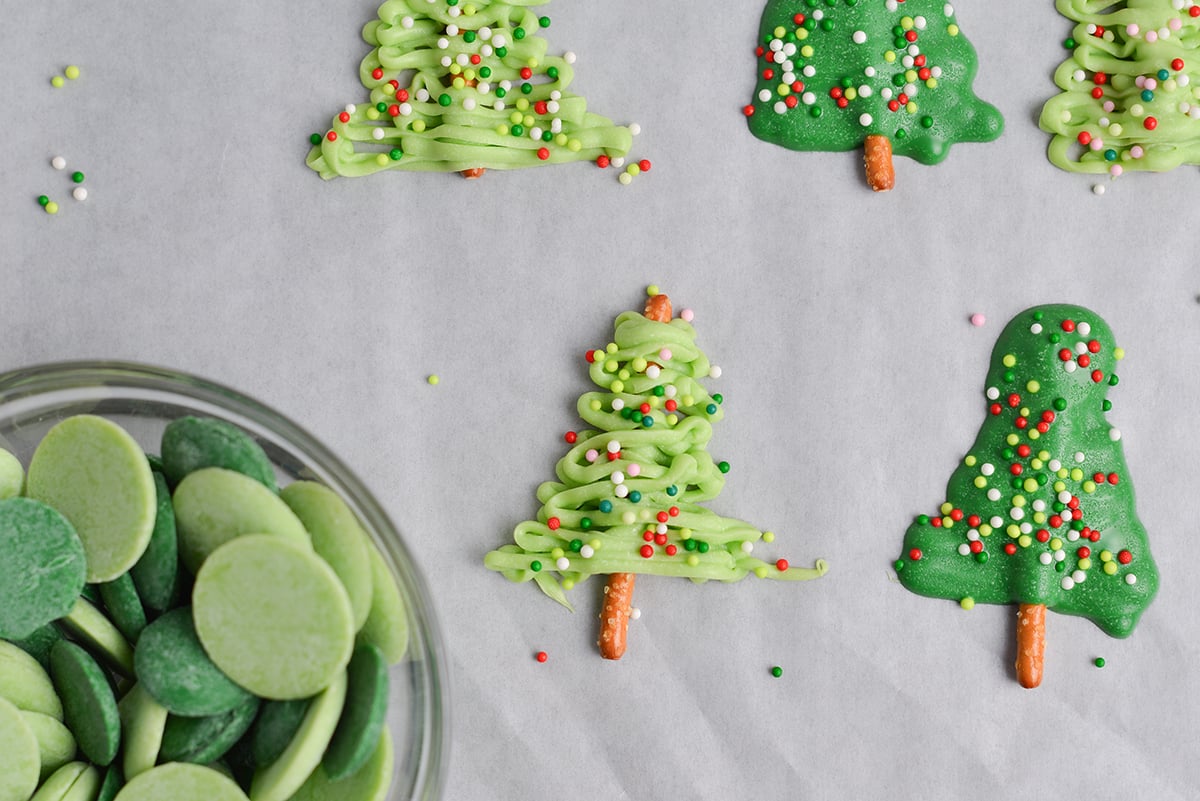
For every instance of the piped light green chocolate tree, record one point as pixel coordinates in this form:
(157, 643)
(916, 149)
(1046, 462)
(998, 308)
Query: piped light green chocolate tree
(885, 75)
(1128, 98)
(463, 85)
(628, 495)
(1041, 511)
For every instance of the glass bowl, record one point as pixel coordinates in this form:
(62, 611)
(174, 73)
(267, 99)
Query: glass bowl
(143, 400)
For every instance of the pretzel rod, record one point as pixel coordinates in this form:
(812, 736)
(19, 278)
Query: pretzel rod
(618, 592)
(1031, 644)
(877, 155)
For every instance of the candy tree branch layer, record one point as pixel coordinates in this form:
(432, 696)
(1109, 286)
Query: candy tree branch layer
(1129, 99)
(885, 75)
(1041, 510)
(627, 499)
(463, 86)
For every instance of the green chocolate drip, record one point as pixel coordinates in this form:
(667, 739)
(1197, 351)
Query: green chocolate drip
(674, 471)
(1029, 380)
(434, 125)
(858, 49)
(1132, 47)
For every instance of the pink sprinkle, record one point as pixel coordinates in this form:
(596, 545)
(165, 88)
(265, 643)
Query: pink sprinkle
(687, 315)
(978, 319)
(634, 470)
(665, 354)
(591, 455)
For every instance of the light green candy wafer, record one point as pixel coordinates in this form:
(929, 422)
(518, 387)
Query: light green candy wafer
(387, 624)
(215, 505)
(12, 475)
(100, 637)
(94, 473)
(180, 781)
(56, 744)
(283, 777)
(26, 684)
(20, 766)
(143, 721)
(370, 783)
(273, 617)
(76, 781)
(337, 537)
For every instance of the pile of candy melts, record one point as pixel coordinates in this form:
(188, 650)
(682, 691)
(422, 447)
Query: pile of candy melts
(179, 627)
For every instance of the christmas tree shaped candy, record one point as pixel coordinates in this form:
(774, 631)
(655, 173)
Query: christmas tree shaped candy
(463, 85)
(886, 75)
(629, 491)
(1041, 511)
(1128, 101)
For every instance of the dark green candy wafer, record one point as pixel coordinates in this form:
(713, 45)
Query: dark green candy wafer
(192, 443)
(172, 666)
(89, 706)
(112, 784)
(124, 606)
(205, 740)
(42, 566)
(357, 734)
(277, 724)
(155, 573)
(39, 643)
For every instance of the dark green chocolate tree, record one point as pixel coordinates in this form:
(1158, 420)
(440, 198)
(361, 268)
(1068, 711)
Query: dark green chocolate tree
(1041, 511)
(887, 75)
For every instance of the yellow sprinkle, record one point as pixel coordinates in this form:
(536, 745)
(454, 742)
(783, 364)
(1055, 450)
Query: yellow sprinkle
(72, 72)
(1009, 360)
(433, 379)
(967, 603)
(768, 536)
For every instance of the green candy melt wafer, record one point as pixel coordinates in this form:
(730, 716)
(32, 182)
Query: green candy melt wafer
(173, 667)
(143, 721)
(25, 684)
(94, 473)
(337, 538)
(20, 765)
(12, 475)
(192, 443)
(371, 782)
(89, 706)
(180, 781)
(273, 616)
(215, 505)
(42, 570)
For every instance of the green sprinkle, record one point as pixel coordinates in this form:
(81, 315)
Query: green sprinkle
(777, 671)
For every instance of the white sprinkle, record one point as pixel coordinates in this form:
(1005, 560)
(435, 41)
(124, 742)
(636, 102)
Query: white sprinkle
(79, 193)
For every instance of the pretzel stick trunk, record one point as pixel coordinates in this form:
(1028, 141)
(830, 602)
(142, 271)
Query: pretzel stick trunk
(618, 592)
(1031, 644)
(877, 155)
